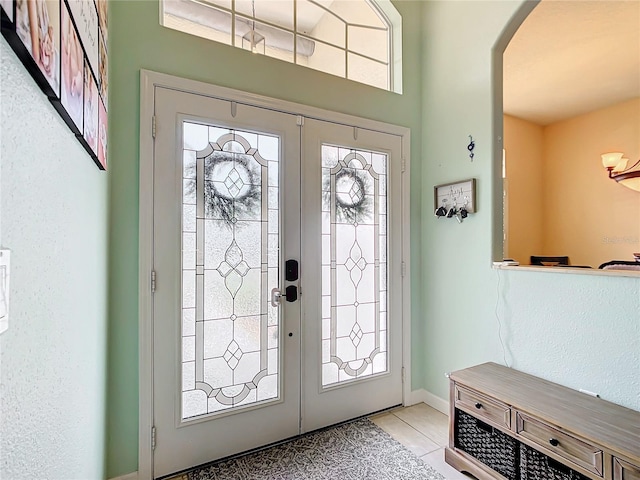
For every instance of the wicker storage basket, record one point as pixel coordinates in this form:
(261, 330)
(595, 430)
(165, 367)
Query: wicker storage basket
(487, 444)
(537, 466)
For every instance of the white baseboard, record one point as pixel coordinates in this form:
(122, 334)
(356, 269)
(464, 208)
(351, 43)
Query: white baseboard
(128, 476)
(430, 399)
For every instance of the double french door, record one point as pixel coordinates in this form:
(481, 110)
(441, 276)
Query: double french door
(276, 248)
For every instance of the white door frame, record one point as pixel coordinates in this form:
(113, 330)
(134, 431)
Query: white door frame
(148, 82)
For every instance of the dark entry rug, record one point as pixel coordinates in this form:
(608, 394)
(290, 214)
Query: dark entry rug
(359, 450)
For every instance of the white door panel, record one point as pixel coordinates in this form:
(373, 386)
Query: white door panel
(352, 310)
(226, 371)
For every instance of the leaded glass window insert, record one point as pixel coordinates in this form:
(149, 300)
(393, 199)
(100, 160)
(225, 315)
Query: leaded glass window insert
(356, 39)
(230, 240)
(354, 264)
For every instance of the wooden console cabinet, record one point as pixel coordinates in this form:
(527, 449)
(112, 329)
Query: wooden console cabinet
(574, 435)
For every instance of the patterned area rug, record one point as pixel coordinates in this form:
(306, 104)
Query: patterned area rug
(359, 450)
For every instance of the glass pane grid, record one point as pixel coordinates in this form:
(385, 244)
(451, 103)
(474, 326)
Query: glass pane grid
(349, 39)
(230, 258)
(354, 273)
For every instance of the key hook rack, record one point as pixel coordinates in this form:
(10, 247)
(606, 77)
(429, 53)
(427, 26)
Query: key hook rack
(455, 200)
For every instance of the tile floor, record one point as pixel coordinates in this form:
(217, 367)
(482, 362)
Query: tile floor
(424, 431)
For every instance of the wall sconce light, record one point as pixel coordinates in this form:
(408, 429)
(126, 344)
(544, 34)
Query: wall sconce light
(618, 171)
(254, 41)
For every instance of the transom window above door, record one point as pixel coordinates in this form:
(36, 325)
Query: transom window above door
(360, 40)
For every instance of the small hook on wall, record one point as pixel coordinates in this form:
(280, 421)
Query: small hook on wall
(470, 147)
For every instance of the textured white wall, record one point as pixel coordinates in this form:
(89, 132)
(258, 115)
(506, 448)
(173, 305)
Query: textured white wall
(54, 218)
(582, 331)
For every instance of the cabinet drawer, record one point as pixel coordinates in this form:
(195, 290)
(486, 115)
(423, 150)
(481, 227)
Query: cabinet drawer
(551, 439)
(625, 471)
(483, 407)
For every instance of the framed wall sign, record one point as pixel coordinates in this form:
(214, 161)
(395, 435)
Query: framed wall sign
(63, 45)
(460, 194)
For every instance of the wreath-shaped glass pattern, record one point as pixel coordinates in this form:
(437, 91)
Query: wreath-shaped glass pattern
(230, 262)
(354, 269)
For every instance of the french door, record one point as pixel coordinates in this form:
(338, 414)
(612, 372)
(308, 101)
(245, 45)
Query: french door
(274, 313)
(352, 324)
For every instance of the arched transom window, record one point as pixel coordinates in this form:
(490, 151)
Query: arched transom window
(355, 39)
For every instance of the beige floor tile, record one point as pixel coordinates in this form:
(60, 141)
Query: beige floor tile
(436, 460)
(405, 434)
(386, 412)
(428, 421)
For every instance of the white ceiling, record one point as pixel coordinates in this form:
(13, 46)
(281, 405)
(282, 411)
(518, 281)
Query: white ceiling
(571, 57)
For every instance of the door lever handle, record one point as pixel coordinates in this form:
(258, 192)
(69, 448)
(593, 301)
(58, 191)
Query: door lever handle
(291, 295)
(275, 297)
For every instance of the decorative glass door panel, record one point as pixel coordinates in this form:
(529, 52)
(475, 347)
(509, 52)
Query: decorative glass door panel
(352, 345)
(230, 264)
(354, 269)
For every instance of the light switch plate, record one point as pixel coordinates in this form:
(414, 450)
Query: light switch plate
(5, 262)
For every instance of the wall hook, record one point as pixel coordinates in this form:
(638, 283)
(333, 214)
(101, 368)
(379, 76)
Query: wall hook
(470, 147)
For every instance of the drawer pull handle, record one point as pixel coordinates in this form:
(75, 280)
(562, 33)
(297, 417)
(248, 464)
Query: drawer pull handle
(478, 406)
(554, 442)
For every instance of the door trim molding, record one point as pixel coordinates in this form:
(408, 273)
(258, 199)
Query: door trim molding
(145, 266)
(149, 80)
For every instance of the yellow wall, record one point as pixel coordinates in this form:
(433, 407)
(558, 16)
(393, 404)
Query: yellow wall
(584, 214)
(523, 144)
(588, 216)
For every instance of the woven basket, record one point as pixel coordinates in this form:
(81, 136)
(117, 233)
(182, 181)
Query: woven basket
(489, 445)
(537, 466)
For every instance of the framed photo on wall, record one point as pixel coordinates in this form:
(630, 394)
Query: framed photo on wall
(6, 6)
(102, 135)
(90, 130)
(85, 17)
(63, 45)
(102, 18)
(37, 24)
(72, 72)
(102, 69)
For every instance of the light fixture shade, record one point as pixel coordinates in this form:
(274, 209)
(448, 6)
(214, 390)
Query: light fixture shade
(632, 183)
(621, 166)
(611, 160)
(629, 179)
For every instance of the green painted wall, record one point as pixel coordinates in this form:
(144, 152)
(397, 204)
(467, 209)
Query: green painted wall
(54, 215)
(139, 42)
(579, 330)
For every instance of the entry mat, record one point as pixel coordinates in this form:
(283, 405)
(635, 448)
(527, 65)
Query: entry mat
(358, 450)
